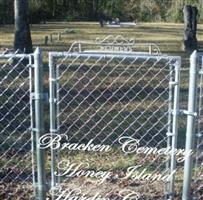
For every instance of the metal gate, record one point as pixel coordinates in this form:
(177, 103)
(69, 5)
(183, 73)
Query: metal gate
(20, 84)
(113, 120)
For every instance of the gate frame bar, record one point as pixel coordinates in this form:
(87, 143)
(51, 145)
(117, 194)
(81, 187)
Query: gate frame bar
(175, 127)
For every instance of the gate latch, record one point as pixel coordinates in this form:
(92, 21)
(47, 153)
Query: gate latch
(186, 112)
(43, 96)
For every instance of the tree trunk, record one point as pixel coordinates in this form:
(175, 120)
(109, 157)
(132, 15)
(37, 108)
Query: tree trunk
(22, 39)
(3, 20)
(190, 19)
(194, 22)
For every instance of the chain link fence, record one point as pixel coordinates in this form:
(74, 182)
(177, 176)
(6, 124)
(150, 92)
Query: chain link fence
(15, 122)
(22, 165)
(106, 98)
(114, 108)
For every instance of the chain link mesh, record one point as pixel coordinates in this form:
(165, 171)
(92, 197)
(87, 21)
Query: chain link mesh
(102, 98)
(97, 98)
(15, 136)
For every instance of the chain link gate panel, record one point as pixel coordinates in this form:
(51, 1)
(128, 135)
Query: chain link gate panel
(111, 112)
(17, 91)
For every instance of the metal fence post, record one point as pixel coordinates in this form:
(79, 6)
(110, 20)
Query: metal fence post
(39, 123)
(190, 133)
(33, 142)
(176, 111)
(53, 123)
(169, 129)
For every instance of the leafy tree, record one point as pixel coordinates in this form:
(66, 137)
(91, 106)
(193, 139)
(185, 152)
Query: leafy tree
(126, 10)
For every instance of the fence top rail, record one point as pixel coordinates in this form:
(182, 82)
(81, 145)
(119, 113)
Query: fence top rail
(13, 55)
(112, 54)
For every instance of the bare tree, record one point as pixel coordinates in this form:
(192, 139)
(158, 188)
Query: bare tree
(22, 39)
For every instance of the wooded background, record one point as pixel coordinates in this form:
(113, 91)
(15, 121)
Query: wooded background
(89, 10)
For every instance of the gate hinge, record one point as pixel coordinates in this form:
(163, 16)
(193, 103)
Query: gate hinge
(54, 130)
(201, 72)
(170, 134)
(199, 135)
(52, 100)
(36, 130)
(53, 79)
(173, 83)
(31, 65)
(176, 112)
(43, 96)
(186, 112)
